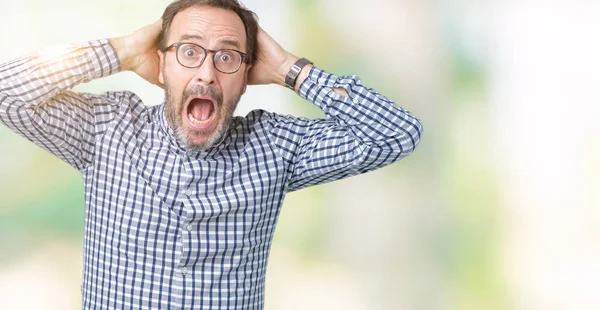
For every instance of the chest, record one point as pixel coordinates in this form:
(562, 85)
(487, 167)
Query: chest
(245, 177)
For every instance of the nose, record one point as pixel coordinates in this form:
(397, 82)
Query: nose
(206, 73)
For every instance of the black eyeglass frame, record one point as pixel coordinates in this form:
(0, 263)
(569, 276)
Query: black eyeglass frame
(176, 45)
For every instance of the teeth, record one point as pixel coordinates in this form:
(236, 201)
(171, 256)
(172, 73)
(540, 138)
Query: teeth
(199, 122)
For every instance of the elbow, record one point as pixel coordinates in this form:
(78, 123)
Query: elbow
(398, 144)
(416, 135)
(410, 137)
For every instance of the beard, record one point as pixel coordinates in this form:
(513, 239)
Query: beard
(175, 117)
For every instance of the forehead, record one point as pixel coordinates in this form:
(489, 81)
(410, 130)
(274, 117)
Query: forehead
(208, 25)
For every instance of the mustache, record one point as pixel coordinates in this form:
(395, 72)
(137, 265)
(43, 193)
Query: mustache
(202, 90)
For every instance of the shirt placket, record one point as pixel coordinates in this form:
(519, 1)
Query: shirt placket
(187, 231)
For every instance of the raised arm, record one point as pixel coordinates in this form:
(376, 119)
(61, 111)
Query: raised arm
(362, 130)
(36, 100)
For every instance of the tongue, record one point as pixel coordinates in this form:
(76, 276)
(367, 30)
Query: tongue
(201, 109)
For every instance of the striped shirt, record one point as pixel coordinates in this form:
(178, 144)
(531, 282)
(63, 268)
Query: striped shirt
(169, 228)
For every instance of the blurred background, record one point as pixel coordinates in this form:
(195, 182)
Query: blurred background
(498, 208)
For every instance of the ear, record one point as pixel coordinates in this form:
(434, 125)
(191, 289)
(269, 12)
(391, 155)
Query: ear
(248, 67)
(161, 60)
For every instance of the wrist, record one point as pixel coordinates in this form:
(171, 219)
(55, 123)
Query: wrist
(125, 57)
(284, 68)
(297, 70)
(302, 76)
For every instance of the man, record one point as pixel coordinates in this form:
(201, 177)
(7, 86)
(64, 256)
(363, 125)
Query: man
(182, 198)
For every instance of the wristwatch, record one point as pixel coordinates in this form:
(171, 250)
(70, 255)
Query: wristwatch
(292, 76)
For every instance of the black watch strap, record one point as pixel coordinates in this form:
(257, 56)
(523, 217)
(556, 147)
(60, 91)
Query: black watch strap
(292, 76)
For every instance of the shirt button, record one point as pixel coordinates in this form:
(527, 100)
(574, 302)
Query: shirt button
(184, 270)
(190, 227)
(188, 192)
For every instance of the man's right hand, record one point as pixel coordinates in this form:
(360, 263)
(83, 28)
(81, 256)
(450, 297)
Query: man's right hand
(137, 52)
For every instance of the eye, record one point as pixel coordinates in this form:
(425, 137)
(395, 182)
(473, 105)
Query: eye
(225, 57)
(189, 52)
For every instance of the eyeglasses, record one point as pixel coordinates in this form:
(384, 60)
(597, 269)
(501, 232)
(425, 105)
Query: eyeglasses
(191, 55)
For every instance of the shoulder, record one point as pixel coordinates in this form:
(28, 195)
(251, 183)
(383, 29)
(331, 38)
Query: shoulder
(280, 127)
(122, 102)
(272, 119)
(115, 108)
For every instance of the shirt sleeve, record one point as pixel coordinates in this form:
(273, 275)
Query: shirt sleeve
(359, 133)
(37, 103)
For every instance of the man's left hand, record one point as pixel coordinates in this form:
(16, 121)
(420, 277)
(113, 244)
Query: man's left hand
(272, 61)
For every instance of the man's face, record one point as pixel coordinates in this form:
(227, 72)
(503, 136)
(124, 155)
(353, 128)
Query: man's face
(200, 101)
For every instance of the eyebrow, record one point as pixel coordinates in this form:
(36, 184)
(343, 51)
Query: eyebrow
(233, 43)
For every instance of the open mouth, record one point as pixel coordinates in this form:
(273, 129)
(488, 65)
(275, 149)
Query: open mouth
(201, 113)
